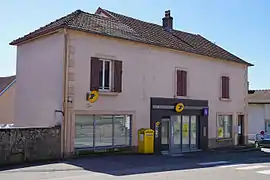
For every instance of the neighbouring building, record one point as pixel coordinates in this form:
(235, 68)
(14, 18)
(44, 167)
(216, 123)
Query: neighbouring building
(141, 71)
(258, 111)
(7, 94)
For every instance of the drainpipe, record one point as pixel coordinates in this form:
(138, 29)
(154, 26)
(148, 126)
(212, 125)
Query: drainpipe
(65, 96)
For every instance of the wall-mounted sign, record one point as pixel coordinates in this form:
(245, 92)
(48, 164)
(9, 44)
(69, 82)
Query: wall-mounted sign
(92, 96)
(205, 111)
(157, 129)
(179, 107)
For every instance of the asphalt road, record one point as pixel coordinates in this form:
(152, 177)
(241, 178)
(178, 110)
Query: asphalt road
(203, 166)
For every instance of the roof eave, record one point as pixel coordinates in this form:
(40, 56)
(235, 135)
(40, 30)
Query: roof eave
(28, 37)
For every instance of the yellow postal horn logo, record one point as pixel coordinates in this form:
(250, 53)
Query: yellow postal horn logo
(93, 96)
(179, 107)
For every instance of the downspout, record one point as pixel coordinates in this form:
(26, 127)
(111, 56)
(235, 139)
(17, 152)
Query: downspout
(65, 96)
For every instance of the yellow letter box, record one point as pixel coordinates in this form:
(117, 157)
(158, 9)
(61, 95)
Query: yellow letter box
(148, 147)
(141, 140)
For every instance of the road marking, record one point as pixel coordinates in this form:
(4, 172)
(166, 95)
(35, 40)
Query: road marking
(213, 163)
(264, 172)
(251, 167)
(232, 165)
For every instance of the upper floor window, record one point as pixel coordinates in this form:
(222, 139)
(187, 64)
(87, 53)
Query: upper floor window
(106, 75)
(181, 82)
(225, 87)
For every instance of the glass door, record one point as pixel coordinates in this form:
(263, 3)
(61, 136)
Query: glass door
(193, 132)
(185, 133)
(165, 134)
(176, 134)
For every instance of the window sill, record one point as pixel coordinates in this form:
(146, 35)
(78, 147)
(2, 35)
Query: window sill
(108, 93)
(224, 139)
(225, 99)
(181, 97)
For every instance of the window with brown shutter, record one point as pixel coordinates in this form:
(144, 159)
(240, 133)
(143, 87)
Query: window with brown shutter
(106, 75)
(225, 87)
(181, 89)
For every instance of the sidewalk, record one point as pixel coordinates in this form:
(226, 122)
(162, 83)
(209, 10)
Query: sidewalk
(235, 149)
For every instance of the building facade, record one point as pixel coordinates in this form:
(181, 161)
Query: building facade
(139, 85)
(258, 112)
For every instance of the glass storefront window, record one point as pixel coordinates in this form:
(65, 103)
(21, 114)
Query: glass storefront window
(224, 126)
(122, 130)
(84, 128)
(102, 131)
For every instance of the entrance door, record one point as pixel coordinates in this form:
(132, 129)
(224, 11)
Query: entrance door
(179, 133)
(165, 134)
(241, 140)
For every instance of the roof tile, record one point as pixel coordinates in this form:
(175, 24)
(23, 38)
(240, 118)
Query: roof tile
(128, 28)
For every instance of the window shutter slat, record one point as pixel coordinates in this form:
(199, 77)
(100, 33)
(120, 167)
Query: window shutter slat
(225, 87)
(184, 83)
(178, 83)
(94, 76)
(181, 83)
(117, 76)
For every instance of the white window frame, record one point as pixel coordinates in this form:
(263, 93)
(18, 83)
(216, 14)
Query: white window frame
(103, 75)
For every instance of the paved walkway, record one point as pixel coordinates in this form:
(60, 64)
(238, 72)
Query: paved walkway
(203, 165)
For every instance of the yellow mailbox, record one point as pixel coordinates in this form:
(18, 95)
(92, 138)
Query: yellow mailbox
(141, 140)
(146, 141)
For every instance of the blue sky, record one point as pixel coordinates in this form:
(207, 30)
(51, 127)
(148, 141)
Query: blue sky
(240, 26)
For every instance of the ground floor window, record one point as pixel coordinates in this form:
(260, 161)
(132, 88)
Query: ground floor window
(93, 131)
(224, 126)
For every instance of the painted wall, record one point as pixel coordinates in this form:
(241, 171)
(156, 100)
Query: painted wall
(257, 118)
(150, 72)
(147, 72)
(39, 81)
(7, 106)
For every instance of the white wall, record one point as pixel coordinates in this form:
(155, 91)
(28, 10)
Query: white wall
(256, 118)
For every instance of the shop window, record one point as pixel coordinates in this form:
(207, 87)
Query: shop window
(224, 126)
(84, 127)
(93, 131)
(103, 130)
(122, 130)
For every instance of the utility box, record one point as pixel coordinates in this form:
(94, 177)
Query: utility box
(146, 141)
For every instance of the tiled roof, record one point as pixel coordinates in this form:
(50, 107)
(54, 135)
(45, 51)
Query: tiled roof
(259, 96)
(5, 82)
(128, 28)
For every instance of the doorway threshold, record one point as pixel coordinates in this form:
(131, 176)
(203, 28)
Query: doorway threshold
(179, 153)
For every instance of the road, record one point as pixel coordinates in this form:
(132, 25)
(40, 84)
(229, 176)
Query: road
(246, 166)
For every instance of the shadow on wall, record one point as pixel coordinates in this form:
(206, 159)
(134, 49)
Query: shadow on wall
(29, 144)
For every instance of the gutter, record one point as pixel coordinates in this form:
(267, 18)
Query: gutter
(65, 95)
(2, 92)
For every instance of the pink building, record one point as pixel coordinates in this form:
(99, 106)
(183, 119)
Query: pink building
(141, 71)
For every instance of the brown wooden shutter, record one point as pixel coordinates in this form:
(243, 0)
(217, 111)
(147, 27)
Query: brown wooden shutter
(117, 76)
(225, 87)
(181, 89)
(184, 83)
(94, 76)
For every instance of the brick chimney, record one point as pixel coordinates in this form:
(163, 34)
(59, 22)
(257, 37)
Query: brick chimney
(167, 20)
